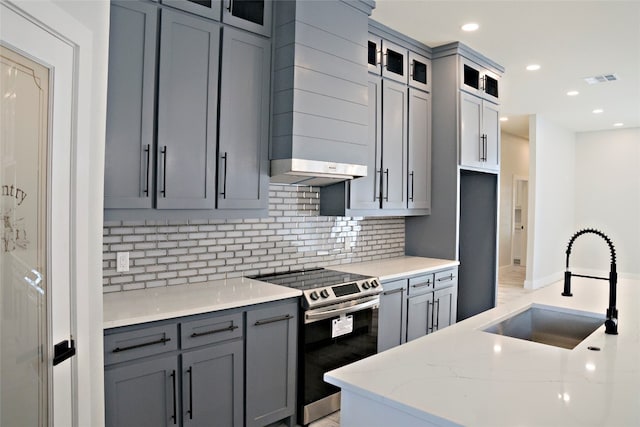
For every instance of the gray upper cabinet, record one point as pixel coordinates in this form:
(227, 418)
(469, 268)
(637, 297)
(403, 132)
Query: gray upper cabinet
(479, 81)
(252, 15)
(479, 133)
(207, 8)
(130, 147)
(394, 62)
(392, 321)
(374, 54)
(419, 72)
(143, 394)
(243, 176)
(394, 145)
(187, 112)
(365, 191)
(212, 385)
(419, 148)
(271, 348)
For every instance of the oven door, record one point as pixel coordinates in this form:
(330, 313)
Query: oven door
(322, 351)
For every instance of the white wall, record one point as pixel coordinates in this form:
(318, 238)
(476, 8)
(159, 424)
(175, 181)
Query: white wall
(607, 190)
(551, 200)
(514, 161)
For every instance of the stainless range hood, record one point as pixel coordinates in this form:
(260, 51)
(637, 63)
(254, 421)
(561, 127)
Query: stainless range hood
(313, 172)
(320, 92)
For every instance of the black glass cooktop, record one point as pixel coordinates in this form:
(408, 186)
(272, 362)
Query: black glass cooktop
(310, 279)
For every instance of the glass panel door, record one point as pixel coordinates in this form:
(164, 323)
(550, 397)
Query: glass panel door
(24, 115)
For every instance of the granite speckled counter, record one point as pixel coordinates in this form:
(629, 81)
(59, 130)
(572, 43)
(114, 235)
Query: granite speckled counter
(148, 305)
(462, 375)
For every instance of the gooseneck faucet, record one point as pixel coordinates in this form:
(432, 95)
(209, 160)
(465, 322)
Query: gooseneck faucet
(611, 324)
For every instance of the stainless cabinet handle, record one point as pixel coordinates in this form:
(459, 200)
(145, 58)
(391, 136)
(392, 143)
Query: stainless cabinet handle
(412, 183)
(429, 311)
(377, 193)
(214, 331)
(436, 322)
(223, 193)
(173, 380)
(395, 291)
(164, 171)
(229, 5)
(131, 347)
(484, 147)
(386, 172)
(190, 411)
(447, 278)
(273, 319)
(147, 150)
(421, 285)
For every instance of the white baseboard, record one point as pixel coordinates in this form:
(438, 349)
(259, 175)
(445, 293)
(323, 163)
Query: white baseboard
(543, 281)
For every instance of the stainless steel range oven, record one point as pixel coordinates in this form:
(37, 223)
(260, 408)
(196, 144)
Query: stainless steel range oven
(338, 326)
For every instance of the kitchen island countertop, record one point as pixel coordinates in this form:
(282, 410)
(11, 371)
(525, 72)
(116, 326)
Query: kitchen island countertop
(462, 375)
(395, 268)
(148, 305)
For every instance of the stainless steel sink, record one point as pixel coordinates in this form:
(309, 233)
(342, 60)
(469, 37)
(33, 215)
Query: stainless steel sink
(549, 325)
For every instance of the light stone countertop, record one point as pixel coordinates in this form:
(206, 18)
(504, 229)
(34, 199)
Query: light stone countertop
(394, 268)
(148, 305)
(462, 375)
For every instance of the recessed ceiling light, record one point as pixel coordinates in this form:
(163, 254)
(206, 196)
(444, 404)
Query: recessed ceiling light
(598, 111)
(504, 119)
(533, 67)
(471, 26)
(618, 124)
(573, 93)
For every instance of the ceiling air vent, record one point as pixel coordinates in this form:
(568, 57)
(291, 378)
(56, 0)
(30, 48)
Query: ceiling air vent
(603, 78)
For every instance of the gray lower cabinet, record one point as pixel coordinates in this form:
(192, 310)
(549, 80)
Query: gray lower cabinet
(244, 121)
(392, 315)
(212, 386)
(204, 370)
(413, 306)
(142, 394)
(271, 364)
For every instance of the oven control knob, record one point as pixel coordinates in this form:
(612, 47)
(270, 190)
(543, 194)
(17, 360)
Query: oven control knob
(314, 295)
(374, 283)
(365, 285)
(324, 293)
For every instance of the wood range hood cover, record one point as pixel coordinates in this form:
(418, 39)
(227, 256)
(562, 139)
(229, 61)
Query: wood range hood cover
(320, 91)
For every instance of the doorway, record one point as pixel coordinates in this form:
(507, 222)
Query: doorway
(519, 217)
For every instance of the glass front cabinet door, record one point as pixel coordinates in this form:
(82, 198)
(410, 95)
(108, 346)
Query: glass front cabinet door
(252, 15)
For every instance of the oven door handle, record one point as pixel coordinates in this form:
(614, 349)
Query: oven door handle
(315, 315)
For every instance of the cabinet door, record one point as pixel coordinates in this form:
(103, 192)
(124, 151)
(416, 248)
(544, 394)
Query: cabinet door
(491, 131)
(243, 172)
(419, 159)
(271, 344)
(419, 72)
(392, 320)
(394, 145)
(374, 55)
(142, 394)
(207, 8)
(212, 387)
(187, 112)
(419, 316)
(129, 146)
(471, 143)
(252, 15)
(394, 62)
(365, 191)
(444, 306)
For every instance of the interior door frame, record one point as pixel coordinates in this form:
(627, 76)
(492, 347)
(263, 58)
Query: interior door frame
(515, 180)
(90, 46)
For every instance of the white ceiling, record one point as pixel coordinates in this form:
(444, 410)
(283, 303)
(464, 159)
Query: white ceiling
(569, 39)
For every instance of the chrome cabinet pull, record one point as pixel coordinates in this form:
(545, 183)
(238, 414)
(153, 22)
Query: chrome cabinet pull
(229, 6)
(395, 291)
(429, 310)
(223, 193)
(147, 151)
(164, 171)
(146, 344)
(449, 277)
(412, 184)
(422, 285)
(376, 192)
(386, 172)
(273, 320)
(436, 322)
(214, 331)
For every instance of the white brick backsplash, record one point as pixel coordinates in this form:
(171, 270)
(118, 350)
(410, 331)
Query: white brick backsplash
(294, 236)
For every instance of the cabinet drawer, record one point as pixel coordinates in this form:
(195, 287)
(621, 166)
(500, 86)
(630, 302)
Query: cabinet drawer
(446, 278)
(420, 284)
(210, 330)
(133, 344)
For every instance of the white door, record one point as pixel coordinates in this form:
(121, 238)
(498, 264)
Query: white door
(520, 217)
(37, 108)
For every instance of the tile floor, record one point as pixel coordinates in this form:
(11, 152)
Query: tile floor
(510, 287)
